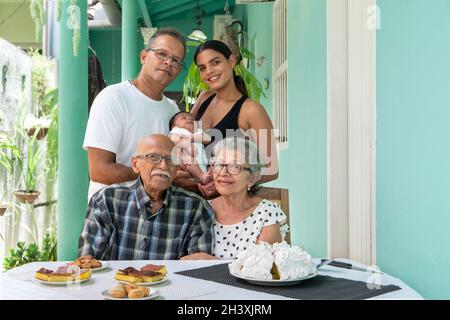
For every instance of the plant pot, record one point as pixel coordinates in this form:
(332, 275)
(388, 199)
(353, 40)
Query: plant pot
(2, 209)
(41, 133)
(26, 197)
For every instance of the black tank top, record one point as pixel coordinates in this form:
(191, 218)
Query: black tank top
(229, 121)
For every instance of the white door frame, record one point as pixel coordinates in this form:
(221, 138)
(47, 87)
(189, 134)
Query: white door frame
(351, 46)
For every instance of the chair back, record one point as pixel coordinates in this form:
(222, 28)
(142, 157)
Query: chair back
(280, 196)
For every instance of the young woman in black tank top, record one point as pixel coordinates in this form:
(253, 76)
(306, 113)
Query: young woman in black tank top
(227, 106)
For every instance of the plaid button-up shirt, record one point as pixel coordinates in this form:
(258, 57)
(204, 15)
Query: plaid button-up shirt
(120, 226)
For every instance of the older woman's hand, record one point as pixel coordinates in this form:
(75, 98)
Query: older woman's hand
(199, 256)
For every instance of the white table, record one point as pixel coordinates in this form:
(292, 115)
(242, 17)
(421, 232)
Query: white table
(19, 283)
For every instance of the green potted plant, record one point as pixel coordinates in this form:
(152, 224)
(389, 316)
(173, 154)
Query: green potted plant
(29, 192)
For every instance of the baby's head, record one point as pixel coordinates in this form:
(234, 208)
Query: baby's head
(184, 120)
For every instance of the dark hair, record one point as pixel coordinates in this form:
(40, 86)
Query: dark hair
(168, 32)
(222, 48)
(172, 120)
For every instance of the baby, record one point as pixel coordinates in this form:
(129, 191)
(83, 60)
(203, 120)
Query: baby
(183, 127)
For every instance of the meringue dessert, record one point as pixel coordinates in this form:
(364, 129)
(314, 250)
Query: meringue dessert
(279, 261)
(63, 274)
(148, 273)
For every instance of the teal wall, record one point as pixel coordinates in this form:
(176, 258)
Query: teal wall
(413, 153)
(107, 44)
(259, 41)
(303, 166)
(186, 26)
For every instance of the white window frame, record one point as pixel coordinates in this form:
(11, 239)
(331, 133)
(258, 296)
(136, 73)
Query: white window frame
(351, 131)
(280, 73)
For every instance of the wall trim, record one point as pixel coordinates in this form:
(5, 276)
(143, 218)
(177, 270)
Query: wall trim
(362, 135)
(351, 131)
(337, 129)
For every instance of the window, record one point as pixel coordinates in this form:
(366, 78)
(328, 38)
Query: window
(280, 71)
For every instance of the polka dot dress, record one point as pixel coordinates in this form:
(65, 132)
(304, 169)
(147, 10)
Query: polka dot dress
(232, 238)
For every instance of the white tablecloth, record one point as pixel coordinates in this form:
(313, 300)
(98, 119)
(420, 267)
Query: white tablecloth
(19, 283)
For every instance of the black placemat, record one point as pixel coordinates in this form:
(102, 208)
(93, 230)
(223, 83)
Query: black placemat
(319, 287)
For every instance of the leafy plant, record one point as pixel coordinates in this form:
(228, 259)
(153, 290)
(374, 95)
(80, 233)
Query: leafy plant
(48, 250)
(30, 253)
(29, 170)
(22, 255)
(52, 135)
(193, 85)
(9, 153)
(40, 82)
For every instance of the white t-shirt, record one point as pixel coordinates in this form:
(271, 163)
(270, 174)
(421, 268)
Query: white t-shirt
(200, 156)
(120, 116)
(232, 238)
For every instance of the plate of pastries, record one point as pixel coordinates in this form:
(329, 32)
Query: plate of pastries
(63, 275)
(149, 274)
(89, 262)
(130, 291)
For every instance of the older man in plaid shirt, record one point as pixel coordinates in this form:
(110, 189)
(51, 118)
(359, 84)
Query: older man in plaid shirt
(152, 219)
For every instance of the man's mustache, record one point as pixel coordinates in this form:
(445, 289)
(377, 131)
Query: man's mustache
(166, 173)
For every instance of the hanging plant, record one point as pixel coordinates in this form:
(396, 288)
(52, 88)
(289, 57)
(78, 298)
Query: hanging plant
(58, 10)
(74, 16)
(38, 15)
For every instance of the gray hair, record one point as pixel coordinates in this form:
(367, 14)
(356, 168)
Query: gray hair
(247, 148)
(168, 32)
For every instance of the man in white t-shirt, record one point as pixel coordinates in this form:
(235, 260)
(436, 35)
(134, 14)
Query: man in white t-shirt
(124, 113)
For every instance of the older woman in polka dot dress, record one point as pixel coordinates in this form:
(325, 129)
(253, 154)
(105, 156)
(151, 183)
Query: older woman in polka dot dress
(241, 218)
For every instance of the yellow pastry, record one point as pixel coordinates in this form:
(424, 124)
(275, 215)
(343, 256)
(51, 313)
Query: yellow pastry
(136, 293)
(63, 274)
(157, 268)
(132, 275)
(118, 292)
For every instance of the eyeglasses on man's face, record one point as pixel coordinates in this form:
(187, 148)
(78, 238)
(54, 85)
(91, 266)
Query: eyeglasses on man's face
(232, 168)
(164, 56)
(156, 158)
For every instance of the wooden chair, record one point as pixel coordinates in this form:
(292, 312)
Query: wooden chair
(280, 196)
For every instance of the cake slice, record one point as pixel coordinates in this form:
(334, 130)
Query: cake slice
(42, 274)
(133, 275)
(62, 274)
(157, 268)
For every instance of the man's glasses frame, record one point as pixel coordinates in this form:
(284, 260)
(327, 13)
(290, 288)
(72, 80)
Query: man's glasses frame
(162, 55)
(156, 158)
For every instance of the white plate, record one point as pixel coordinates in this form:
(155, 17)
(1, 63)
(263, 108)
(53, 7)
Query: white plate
(153, 294)
(105, 264)
(274, 282)
(146, 284)
(60, 283)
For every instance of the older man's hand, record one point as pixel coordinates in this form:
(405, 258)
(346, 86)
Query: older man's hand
(184, 180)
(199, 256)
(208, 191)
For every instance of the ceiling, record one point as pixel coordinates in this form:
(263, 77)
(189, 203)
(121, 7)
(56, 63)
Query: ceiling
(163, 10)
